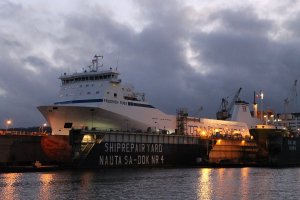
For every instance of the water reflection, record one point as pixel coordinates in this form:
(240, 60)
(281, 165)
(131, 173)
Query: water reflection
(86, 180)
(204, 184)
(223, 183)
(9, 182)
(45, 187)
(244, 183)
(221, 172)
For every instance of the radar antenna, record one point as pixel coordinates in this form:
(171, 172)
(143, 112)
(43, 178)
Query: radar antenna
(292, 99)
(96, 62)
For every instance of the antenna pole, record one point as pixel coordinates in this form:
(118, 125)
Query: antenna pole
(296, 95)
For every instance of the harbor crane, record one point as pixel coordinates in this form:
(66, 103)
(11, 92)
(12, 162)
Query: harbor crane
(224, 111)
(292, 99)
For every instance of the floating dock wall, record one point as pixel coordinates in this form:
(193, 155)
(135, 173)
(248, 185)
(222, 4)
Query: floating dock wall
(233, 152)
(21, 150)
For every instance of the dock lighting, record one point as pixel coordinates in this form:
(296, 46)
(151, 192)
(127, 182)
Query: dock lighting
(261, 95)
(219, 141)
(8, 123)
(243, 142)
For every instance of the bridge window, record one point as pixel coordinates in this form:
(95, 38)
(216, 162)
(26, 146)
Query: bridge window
(115, 95)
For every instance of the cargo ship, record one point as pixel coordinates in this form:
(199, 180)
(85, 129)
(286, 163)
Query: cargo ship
(100, 121)
(277, 146)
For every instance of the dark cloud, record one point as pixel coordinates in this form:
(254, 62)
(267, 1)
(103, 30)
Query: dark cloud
(239, 52)
(243, 21)
(36, 62)
(243, 55)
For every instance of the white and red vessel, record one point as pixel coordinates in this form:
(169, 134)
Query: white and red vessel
(98, 99)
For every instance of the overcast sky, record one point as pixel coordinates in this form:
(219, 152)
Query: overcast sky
(180, 53)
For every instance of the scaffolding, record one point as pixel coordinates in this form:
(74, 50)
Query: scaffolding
(181, 120)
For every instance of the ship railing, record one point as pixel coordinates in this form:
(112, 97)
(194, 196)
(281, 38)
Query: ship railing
(226, 137)
(25, 133)
(98, 131)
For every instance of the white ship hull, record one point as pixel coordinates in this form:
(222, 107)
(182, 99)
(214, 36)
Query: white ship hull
(62, 118)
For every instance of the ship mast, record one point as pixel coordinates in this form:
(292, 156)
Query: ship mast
(95, 63)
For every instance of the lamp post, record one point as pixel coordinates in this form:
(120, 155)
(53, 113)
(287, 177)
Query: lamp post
(8, 123)
(44, 126)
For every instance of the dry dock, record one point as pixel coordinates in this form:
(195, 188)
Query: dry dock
(45, 153)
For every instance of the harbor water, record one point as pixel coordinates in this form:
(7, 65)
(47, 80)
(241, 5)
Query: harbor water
(183, 183)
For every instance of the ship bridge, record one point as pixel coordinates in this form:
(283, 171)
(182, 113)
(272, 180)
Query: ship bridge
(111, 75)
(92, 74)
